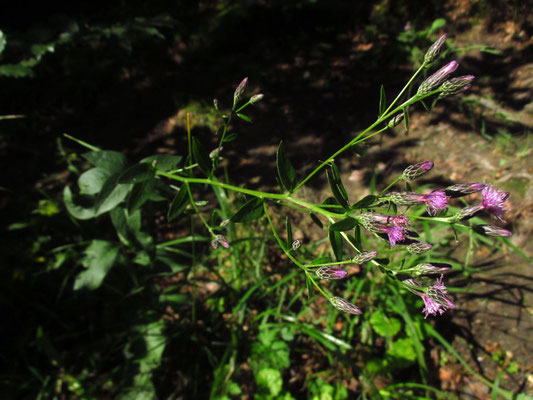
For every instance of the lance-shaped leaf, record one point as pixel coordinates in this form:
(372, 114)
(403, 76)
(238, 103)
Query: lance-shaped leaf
(162, 162)
(337, 188)
(286, 172)
(317, 221)
(365, 202)
(406, 120)
(137, 173)
(289, 232)
(382, 101)
(201, 157)
(335, 240)
(251, 210)
(178, 204)
(344, 225)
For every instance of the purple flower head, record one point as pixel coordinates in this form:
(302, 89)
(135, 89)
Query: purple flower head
(406, 198)
(344, 305)
(331, 273)
(434, 81)
(495, 201)
(371, 218)
(365, 257)
(395, 233)
(434, 50)
(462, 189)
(435, 297)
(416, 170)
(435, 201)
(219, 240)
(490, 230)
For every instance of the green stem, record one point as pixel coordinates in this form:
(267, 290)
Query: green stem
(198, 211)
(405, 87)
(394, 182)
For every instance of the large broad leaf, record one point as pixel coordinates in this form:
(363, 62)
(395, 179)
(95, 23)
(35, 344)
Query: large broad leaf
(286, 172)
(337, 188)
(178, 204)
(383, 325)
(162, 162)
(201, 157)
(111, 161)
(139, 194)
(76, 210)
(111, 195)
(137, 173)
(251, 210)
(127, 225)
(93, 180)
(100, 256)
(343, 225)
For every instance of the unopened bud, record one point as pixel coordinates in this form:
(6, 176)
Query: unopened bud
(219, 240)
(343, 305)
(331, 273)
(239, 91)
(224, 223)
(256, 98)
(491, 230)
(418, 247)
(405, 198)
(394, 121)
(215, 103)
(215, 152)
(365, 257)
(462, 189)
(468, 212)
(428, 269)
(296, 245)
(434, 81)
(456, 85)
(416, 170)
(434, 50)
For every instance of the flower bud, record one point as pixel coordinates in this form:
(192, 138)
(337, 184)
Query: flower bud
(224, 223)
(462, 189)
(434, 81)
(456, 85)
(239, 91)
(331, 273)
(296, 245)
(416, 170)
(343, 305)
(428, 269)
(418, 247)
(434, 50)
(365, 257)
(405, 198)
(491, 230)
(215, 152)
(215, 103)
(468, 212)
(394, 121)
(219, 240)
(256, 98)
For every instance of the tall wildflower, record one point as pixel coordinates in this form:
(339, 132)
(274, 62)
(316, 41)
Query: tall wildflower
(434, 201)
(391, 225)
(495, 201)
(435, 297)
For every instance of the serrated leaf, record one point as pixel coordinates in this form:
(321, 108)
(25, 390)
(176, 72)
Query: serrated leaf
(382, 101)
(337, 188)
(137, 173)
(289, 232)
(365, 202)
(178, 204)
(335, 239)
(111, 161)
(244, 117)
(251, 210)
(317, 221)
(92, 181)
(202, 157)
(343, 225)
(383, 325)
(99, 257)
(77, 211)
(162, 162)
(286, 172)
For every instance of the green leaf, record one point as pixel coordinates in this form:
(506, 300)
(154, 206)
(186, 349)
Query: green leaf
(111, 195)
(127, 225)
(162, 162)
(76, 210)
(437, 24)
(92, 181)
(137, 173)
(251, 210)
(317, 221)
(230, 137)
(309, 285)
(2, 42)
(383, 325)
(178, 204)
(406, 120)
(202, 157)
(365, 202)
(408, 187)
(111, 161)
(335, 240)
(286, 172)
(321, 260)
(289, 232)
(337, 188)
(99, 257)
(382, 101)
(244, 117)
(403, 349)
(271, 380)
(343, 225)
(139, 194)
